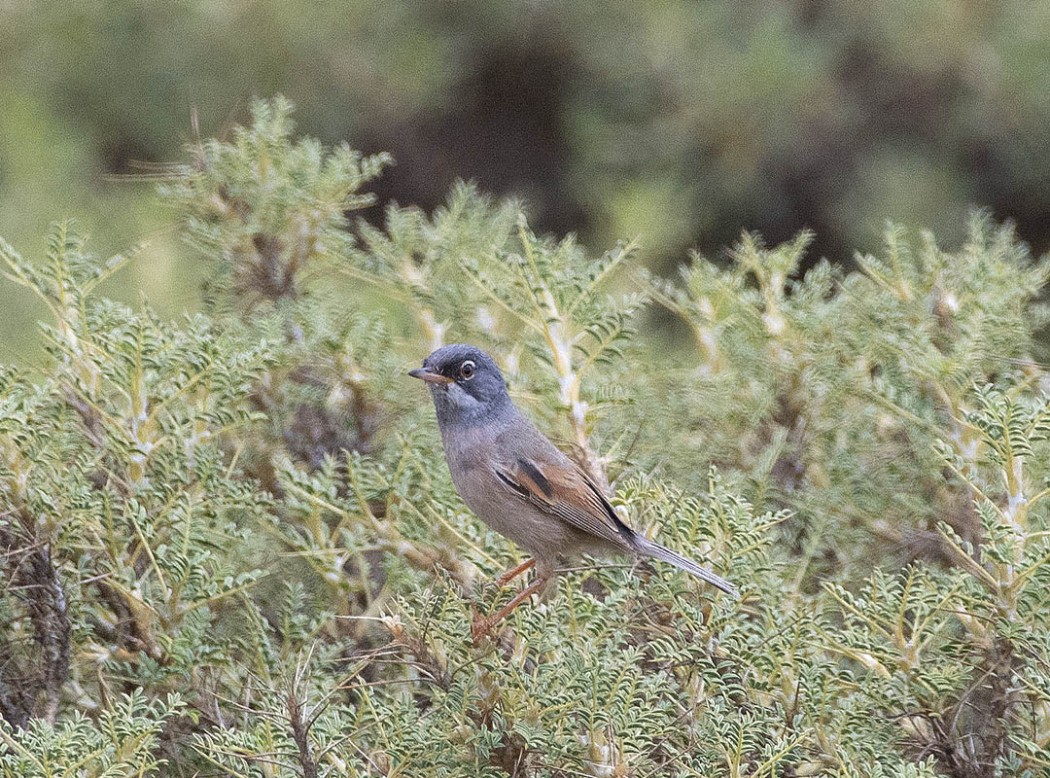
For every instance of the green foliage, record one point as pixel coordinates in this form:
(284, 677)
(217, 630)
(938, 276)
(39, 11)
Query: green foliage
(242, 202)
(120, 743)
(249, 508)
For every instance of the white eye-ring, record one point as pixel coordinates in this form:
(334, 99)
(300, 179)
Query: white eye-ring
(466, 370)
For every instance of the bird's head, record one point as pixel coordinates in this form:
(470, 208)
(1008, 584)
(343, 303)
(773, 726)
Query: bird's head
(464, 382)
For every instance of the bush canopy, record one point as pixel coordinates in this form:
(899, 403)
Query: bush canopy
(231, 546)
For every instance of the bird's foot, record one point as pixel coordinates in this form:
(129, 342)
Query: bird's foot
(481, 627)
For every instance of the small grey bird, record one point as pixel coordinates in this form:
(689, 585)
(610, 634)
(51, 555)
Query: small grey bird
(518, 483)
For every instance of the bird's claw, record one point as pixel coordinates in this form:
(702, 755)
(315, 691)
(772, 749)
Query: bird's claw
(481, 627)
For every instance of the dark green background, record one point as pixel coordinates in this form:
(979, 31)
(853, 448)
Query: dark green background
(681, 122)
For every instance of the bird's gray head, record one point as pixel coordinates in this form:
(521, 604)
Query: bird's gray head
(465, 384)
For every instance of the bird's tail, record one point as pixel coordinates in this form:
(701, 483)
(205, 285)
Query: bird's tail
(656, 551)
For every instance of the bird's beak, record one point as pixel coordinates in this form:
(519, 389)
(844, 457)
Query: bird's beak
(423, 374)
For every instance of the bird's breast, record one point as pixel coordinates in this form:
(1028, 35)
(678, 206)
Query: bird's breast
(471, 462)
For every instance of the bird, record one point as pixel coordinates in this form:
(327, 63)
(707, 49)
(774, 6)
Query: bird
(520, 484)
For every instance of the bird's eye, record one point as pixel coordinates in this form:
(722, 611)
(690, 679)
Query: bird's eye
(466, 370)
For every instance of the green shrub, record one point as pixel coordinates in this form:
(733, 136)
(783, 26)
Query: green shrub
(231, 545)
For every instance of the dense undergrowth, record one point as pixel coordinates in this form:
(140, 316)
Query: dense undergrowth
(231, 546)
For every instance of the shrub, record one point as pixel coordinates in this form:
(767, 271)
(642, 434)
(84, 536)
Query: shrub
(232, 546)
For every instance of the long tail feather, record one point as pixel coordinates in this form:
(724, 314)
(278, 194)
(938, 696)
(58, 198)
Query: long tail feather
(655, 550)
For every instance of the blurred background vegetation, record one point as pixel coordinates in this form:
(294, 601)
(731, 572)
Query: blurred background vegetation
(678, 122)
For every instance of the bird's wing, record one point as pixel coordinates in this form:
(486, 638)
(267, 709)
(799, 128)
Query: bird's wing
(564, 490)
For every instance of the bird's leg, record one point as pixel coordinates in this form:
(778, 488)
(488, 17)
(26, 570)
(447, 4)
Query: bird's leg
(536, 585)
(510, 575)
(483, 625)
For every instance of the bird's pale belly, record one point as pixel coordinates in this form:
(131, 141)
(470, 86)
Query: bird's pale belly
(513, 517)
